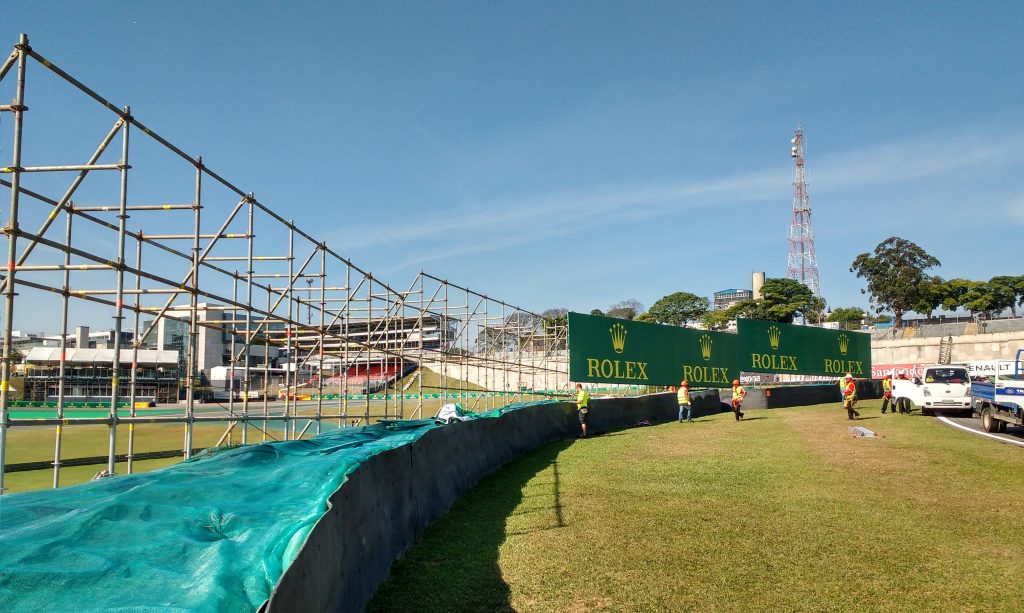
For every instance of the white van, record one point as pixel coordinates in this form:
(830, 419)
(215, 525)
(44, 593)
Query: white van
(945, 387)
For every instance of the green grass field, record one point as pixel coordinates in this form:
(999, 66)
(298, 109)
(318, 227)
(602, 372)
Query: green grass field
(37, 443)
(785, 511)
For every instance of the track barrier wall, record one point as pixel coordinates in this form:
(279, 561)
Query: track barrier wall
(389, 499)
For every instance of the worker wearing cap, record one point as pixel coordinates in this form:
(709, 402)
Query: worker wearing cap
(683, 395)
(887, 394)
(738, 394)
(850, 397)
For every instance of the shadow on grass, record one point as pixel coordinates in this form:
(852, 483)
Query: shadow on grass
(454, 565)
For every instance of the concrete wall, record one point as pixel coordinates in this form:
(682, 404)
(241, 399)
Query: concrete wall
(965, 348)
(387, 501)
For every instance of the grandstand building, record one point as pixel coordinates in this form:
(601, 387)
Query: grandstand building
(88, 375)
(728, 298)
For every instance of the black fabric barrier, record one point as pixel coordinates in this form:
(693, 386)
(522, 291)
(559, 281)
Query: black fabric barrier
(388, 500)
(803, 395)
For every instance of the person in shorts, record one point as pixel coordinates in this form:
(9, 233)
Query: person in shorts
(582, 407)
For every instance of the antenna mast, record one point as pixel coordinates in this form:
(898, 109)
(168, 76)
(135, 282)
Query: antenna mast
(803, 263)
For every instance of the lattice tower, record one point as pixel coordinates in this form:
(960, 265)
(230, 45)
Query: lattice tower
(803, 263)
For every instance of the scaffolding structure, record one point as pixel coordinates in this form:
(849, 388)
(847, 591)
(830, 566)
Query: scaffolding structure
(195, 249)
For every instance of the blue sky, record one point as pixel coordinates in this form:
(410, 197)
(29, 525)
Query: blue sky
(576, 154)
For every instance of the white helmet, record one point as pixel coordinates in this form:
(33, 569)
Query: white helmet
(849, 376)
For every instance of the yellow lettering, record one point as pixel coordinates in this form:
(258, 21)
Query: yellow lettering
(755, 360)
(606, 368)
(629, 370)
(643, 370)
(593, 368)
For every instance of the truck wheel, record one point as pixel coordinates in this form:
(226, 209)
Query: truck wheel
(987, 422)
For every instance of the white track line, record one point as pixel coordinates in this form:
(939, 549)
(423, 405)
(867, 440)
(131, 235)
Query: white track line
(973, 431)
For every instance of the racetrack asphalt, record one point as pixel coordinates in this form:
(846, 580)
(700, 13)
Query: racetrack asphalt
(1013, 435)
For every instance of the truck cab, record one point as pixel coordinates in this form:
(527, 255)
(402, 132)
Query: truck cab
(944, 387)
(999, 399)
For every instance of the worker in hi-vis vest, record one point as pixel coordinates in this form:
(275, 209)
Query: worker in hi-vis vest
(850, 397)
(887, 394)
(683, 395)
(582, 406)
(738, 394)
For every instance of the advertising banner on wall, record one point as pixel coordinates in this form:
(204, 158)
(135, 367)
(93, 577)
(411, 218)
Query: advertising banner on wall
(609, 350)
(803, 350)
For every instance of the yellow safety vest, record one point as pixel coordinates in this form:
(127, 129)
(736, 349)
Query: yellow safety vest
(887, 385)
(583, 400)
(683, 395)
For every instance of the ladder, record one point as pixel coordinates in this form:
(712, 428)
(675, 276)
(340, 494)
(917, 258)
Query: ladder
(946, 350)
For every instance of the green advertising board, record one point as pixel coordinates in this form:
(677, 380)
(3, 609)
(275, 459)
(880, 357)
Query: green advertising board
(609, 350)
(782, 348)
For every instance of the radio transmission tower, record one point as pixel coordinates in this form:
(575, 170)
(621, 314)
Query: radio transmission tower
(803, 264)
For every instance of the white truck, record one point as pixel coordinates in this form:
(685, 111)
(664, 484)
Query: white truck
(944, 387)
(999, 398)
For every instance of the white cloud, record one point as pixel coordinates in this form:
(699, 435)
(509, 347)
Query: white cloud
(502, 224)
(1015, 209)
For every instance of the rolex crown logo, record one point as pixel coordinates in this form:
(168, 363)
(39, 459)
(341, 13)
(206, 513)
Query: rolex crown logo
(705, 346)
(774, 336)
(618, 332)
(844, 344)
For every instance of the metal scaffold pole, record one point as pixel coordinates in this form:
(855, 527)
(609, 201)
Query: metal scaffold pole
(320, 341)
(122, 219)
(192, 358)
(18, 109)
(63, 350)
(247, 349)
(133, 388)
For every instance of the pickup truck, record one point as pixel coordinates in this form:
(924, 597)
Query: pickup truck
(999, 398)
(945, 387)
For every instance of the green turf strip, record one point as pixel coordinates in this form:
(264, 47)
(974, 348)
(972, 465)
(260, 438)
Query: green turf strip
(785, 511)
(87, 413)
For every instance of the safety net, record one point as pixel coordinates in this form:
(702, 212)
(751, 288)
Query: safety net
(214, 533)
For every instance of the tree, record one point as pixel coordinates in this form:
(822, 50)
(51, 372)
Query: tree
(894, 275)
(986, 299)
(815, 310)
(646, 318)
(1008, 292)
(597, 312)
(848, 318)
(627, 309)
(953, 292)
(932, 291)
(679, 309)
(782, 301)
(716, 320)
